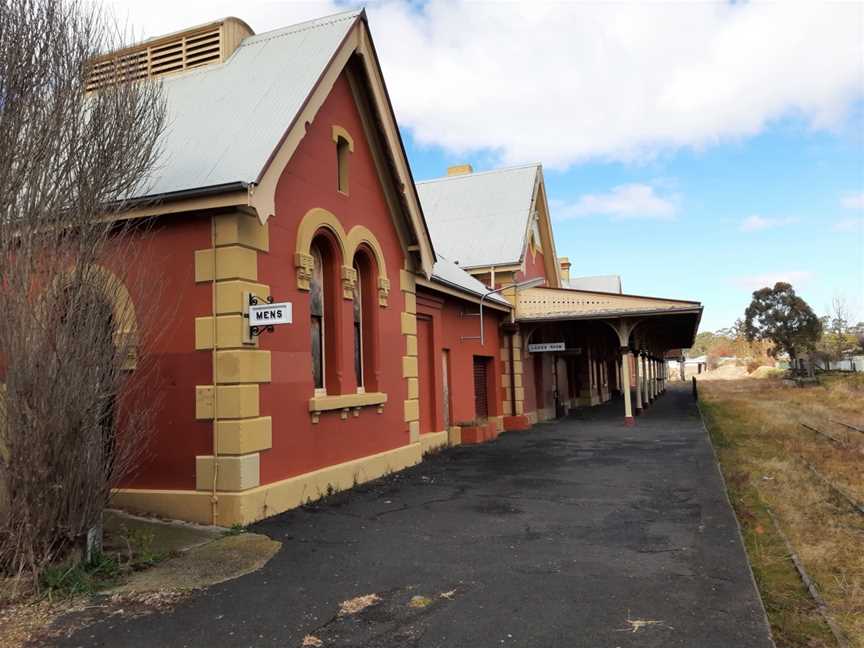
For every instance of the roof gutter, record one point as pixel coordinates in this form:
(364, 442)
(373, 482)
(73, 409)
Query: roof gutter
(199, 192)
(234, 194)
(430, 283)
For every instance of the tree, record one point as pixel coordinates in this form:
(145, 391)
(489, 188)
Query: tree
(701, 344)
(838, 337)
(779, 316)
(73, 418)
(858, 335)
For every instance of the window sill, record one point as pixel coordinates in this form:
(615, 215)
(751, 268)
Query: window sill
(346, 403)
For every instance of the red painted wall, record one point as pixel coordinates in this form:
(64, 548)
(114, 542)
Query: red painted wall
(162, 286)
(309, 181)
(448, 328)
(534, 266)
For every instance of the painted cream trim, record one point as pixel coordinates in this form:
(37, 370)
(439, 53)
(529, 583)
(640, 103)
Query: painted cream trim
(263, 194)
(411, 410)
(242, 366)
(263, 501)
(236, 473)
(231, 330)
(432, 441)
(409, 366)
(341, 401)
(242, 229)
(357, 40)
(229, 295)
(243, 436)
(232, 262)
(115, 293)
(238, 199)
(349, 242)
(235, 401)
(338, 131)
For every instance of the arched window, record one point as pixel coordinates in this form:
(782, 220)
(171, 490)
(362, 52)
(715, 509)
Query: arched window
(316, 314)
(358, 328)
(343, 147)
(324, 313)
(365, 321)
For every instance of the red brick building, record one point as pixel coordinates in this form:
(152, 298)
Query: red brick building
(284, 176)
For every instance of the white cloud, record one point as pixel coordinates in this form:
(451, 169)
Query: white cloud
(853, 201)
(758, 223)
(755, 282)
(629, 201)
(849, 225)
(566, 82)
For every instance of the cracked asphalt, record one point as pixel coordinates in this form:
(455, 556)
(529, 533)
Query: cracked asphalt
(577, 533)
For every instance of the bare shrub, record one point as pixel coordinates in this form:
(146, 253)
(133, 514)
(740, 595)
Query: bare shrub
(74, 419)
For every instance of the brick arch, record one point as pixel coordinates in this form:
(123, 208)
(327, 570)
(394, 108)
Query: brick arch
(338, 131)
(363, 236)
(115, 293)
(318, 218)
(312, 222)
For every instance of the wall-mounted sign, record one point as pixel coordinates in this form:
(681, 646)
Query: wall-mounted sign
(270, 314)
(545, 347)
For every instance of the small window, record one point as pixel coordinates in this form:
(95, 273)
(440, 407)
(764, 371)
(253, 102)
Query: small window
(358, 329)
(343, 147)
(316, 311)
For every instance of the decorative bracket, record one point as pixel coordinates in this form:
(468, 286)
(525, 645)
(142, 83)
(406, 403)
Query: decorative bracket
(349, 281)
(254, 300)
(383, 290)
(304, 264)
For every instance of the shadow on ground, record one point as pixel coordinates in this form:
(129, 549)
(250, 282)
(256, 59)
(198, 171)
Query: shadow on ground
(576, 533)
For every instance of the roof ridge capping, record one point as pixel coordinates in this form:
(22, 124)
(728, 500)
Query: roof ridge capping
(474, 174)
(312, 23)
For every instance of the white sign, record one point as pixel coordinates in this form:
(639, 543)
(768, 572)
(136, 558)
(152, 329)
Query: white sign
(546, 346)
(270, 314)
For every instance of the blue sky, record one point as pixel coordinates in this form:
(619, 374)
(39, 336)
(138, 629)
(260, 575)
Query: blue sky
(699, 149)
(788, 173)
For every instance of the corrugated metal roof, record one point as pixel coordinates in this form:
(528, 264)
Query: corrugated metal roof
(609, 312)
(224, 121)
(600, 283)
(447, 272)
(480, 219)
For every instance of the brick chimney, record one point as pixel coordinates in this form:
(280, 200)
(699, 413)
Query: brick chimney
(460, 169)
(564, 262)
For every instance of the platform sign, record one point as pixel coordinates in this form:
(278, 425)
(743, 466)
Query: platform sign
(546, 347)
(270, 314)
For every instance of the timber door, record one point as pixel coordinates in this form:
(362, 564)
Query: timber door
(561, 385)
(481, 387)
(425, 374)
(445, 368)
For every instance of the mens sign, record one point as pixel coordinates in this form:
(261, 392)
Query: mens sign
(270, 314)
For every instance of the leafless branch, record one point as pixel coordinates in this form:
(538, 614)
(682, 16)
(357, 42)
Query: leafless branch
(73, 417)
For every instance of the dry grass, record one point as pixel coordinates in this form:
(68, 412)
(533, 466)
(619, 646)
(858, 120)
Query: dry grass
(764, 452)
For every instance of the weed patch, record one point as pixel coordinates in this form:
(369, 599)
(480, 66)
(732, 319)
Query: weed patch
(764, 451)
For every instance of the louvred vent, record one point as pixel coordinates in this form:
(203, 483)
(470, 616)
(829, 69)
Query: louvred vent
(193, 48)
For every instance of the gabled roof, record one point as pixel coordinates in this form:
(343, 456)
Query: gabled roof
(448, 273)
(233, 127)
(225, 121)
(480, 219)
